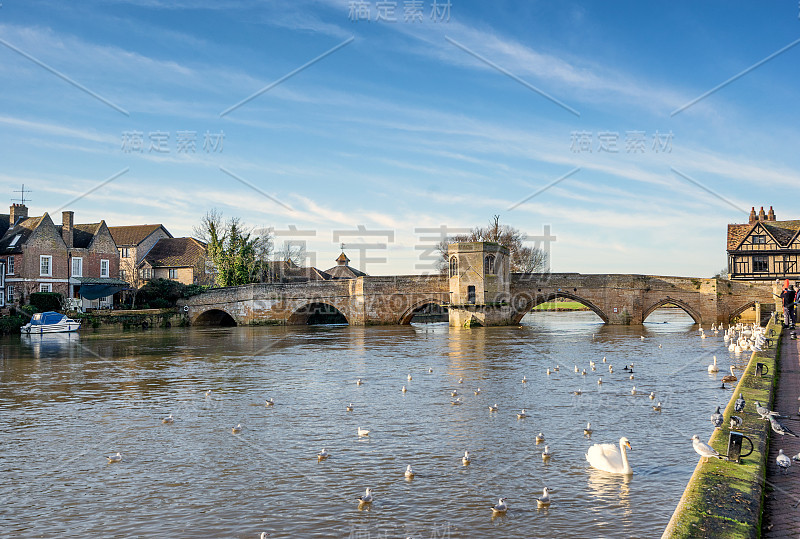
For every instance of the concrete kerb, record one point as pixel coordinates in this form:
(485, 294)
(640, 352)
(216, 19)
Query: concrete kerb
(725, 499)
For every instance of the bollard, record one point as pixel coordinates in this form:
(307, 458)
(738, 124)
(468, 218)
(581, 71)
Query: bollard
(761, 370)
(735, 446)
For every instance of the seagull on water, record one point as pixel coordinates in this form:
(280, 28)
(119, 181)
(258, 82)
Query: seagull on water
(546, 454)
(115, 458)
(409, 377)
(576, 368)
(322, 454)
(359, 382)
(783, 461)
(457, 402)
(270, 402)
(349, 407)
(717, 419)
(460, 380)
(657, 407)
(588, 430)
(404, 389)
(477, 391)
(652, 395)
(465, 460)
(739, 404)
(208, 393)
(522, 414)
(557, 368)
(168, 420)
(544, 499)
(454, 393)
(539, 438)
(493, 408)
(600, 381)
(577, 392)
(604, 359)
(430, 370)
(703, 449)
(525, 380)
(409, 473)
(237, 429)
(633, 390)
(548, 371)
(363, 432)
(367, 497)
(501, 507)
(583, 372)
(631, 377)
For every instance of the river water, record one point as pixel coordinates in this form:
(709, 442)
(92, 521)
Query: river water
(66, 401)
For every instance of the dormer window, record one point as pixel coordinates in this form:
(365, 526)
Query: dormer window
(15, 240)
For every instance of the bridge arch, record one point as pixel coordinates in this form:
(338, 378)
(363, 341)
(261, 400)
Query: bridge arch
(317, 312)
(685, 307)
(214, 317)
(741, 309)
(409, 313)
(523, 304)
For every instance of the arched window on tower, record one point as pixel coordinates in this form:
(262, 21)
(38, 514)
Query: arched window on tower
(488, 265)
(453, 266)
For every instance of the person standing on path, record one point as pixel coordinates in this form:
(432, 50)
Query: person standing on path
(788, 295)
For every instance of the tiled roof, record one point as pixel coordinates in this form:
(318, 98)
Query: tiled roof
(132, 235)
(4, 223)
(175, 253)
(782, 231)
(24, 229)
(736, 233)
(344, 272)
(81, 234)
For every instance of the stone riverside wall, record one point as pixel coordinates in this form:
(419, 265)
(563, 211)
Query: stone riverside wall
(724, 499)
(617, 299)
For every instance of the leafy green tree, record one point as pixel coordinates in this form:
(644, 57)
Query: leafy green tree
(238, 255)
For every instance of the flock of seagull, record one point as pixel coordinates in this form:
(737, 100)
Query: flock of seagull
(609, 458)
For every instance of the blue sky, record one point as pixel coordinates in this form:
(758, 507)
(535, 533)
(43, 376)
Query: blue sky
(403, 128)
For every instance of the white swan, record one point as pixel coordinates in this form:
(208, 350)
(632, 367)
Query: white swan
(609, 458)
(363, 432)
(713, 367)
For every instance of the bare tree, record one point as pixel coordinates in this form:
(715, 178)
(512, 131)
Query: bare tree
(524, 259)
(132, 276)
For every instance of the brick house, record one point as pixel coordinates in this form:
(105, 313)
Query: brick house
(764, 249)
(133, 243)
(78, 261)
(176, 259)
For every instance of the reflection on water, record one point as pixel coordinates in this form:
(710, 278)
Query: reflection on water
(69, 400)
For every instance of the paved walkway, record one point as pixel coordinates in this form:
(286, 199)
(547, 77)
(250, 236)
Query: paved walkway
(781, 516)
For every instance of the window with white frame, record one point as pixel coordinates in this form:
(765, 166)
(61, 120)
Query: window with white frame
(104, 268)
(10, 294)
(46, 265)
(173, 273)
(45, 287)
(10, 266)
(77, 267)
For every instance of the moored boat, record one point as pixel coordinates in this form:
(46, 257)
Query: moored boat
(50, 322)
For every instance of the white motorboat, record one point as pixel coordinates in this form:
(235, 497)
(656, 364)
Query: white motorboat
(50, 322)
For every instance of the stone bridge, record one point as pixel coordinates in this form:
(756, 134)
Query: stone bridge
(616, 299)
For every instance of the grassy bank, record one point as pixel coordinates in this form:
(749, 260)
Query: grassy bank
(724, 499)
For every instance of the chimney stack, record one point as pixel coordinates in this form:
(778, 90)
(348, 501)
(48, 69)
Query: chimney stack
(753, 215)
(66, 227)
(16, 212)
(771, 214)
(761, 215)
